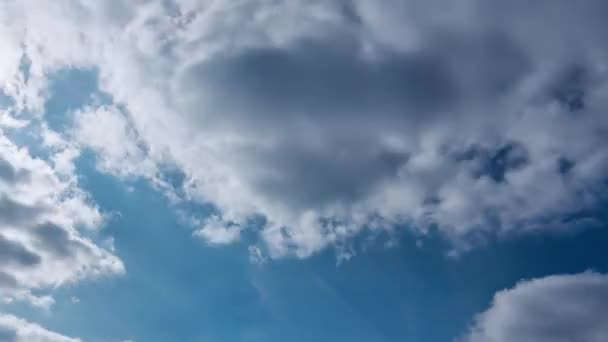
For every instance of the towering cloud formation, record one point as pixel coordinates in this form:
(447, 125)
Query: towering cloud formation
(319, 119)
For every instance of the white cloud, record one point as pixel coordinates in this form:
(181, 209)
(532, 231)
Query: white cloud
(106, 131)
(42, 213)
(14, 329)
(554, 308)
(218, 232)
(327, 117)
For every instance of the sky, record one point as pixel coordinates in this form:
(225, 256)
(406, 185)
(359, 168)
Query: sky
(274, 170)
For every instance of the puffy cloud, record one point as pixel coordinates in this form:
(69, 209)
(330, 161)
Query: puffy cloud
(14, 329)
(42, 213)
(554, 308)
(327, 117)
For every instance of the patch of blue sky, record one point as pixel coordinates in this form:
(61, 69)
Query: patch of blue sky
(178, 289)
(71, 89)
(5, 100)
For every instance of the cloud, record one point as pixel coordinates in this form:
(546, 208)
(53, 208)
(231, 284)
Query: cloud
(329, 118)
(217, 232)
(14, 329)
(15, 253)
(106, 131)
(554, 308)
(42, 213)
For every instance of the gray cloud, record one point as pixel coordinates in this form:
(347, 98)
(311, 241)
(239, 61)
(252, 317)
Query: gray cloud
(12, 252)
(323, 108)
(10, 175)
(13, 212)
(471, 118)
(55, 239)
(7, 282)
(325, 81)
(322, 124)
(555, 308)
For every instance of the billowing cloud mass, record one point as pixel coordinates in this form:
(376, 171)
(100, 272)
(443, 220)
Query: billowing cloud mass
(14, 329)
(473, 119)
(555, 308)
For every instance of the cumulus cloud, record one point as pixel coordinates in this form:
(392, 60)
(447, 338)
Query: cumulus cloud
(42, 213)
(14, 329)
(554, 308)
(474, 119)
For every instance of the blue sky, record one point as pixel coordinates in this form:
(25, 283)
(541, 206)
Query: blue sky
(176, 289)
(366, 171)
